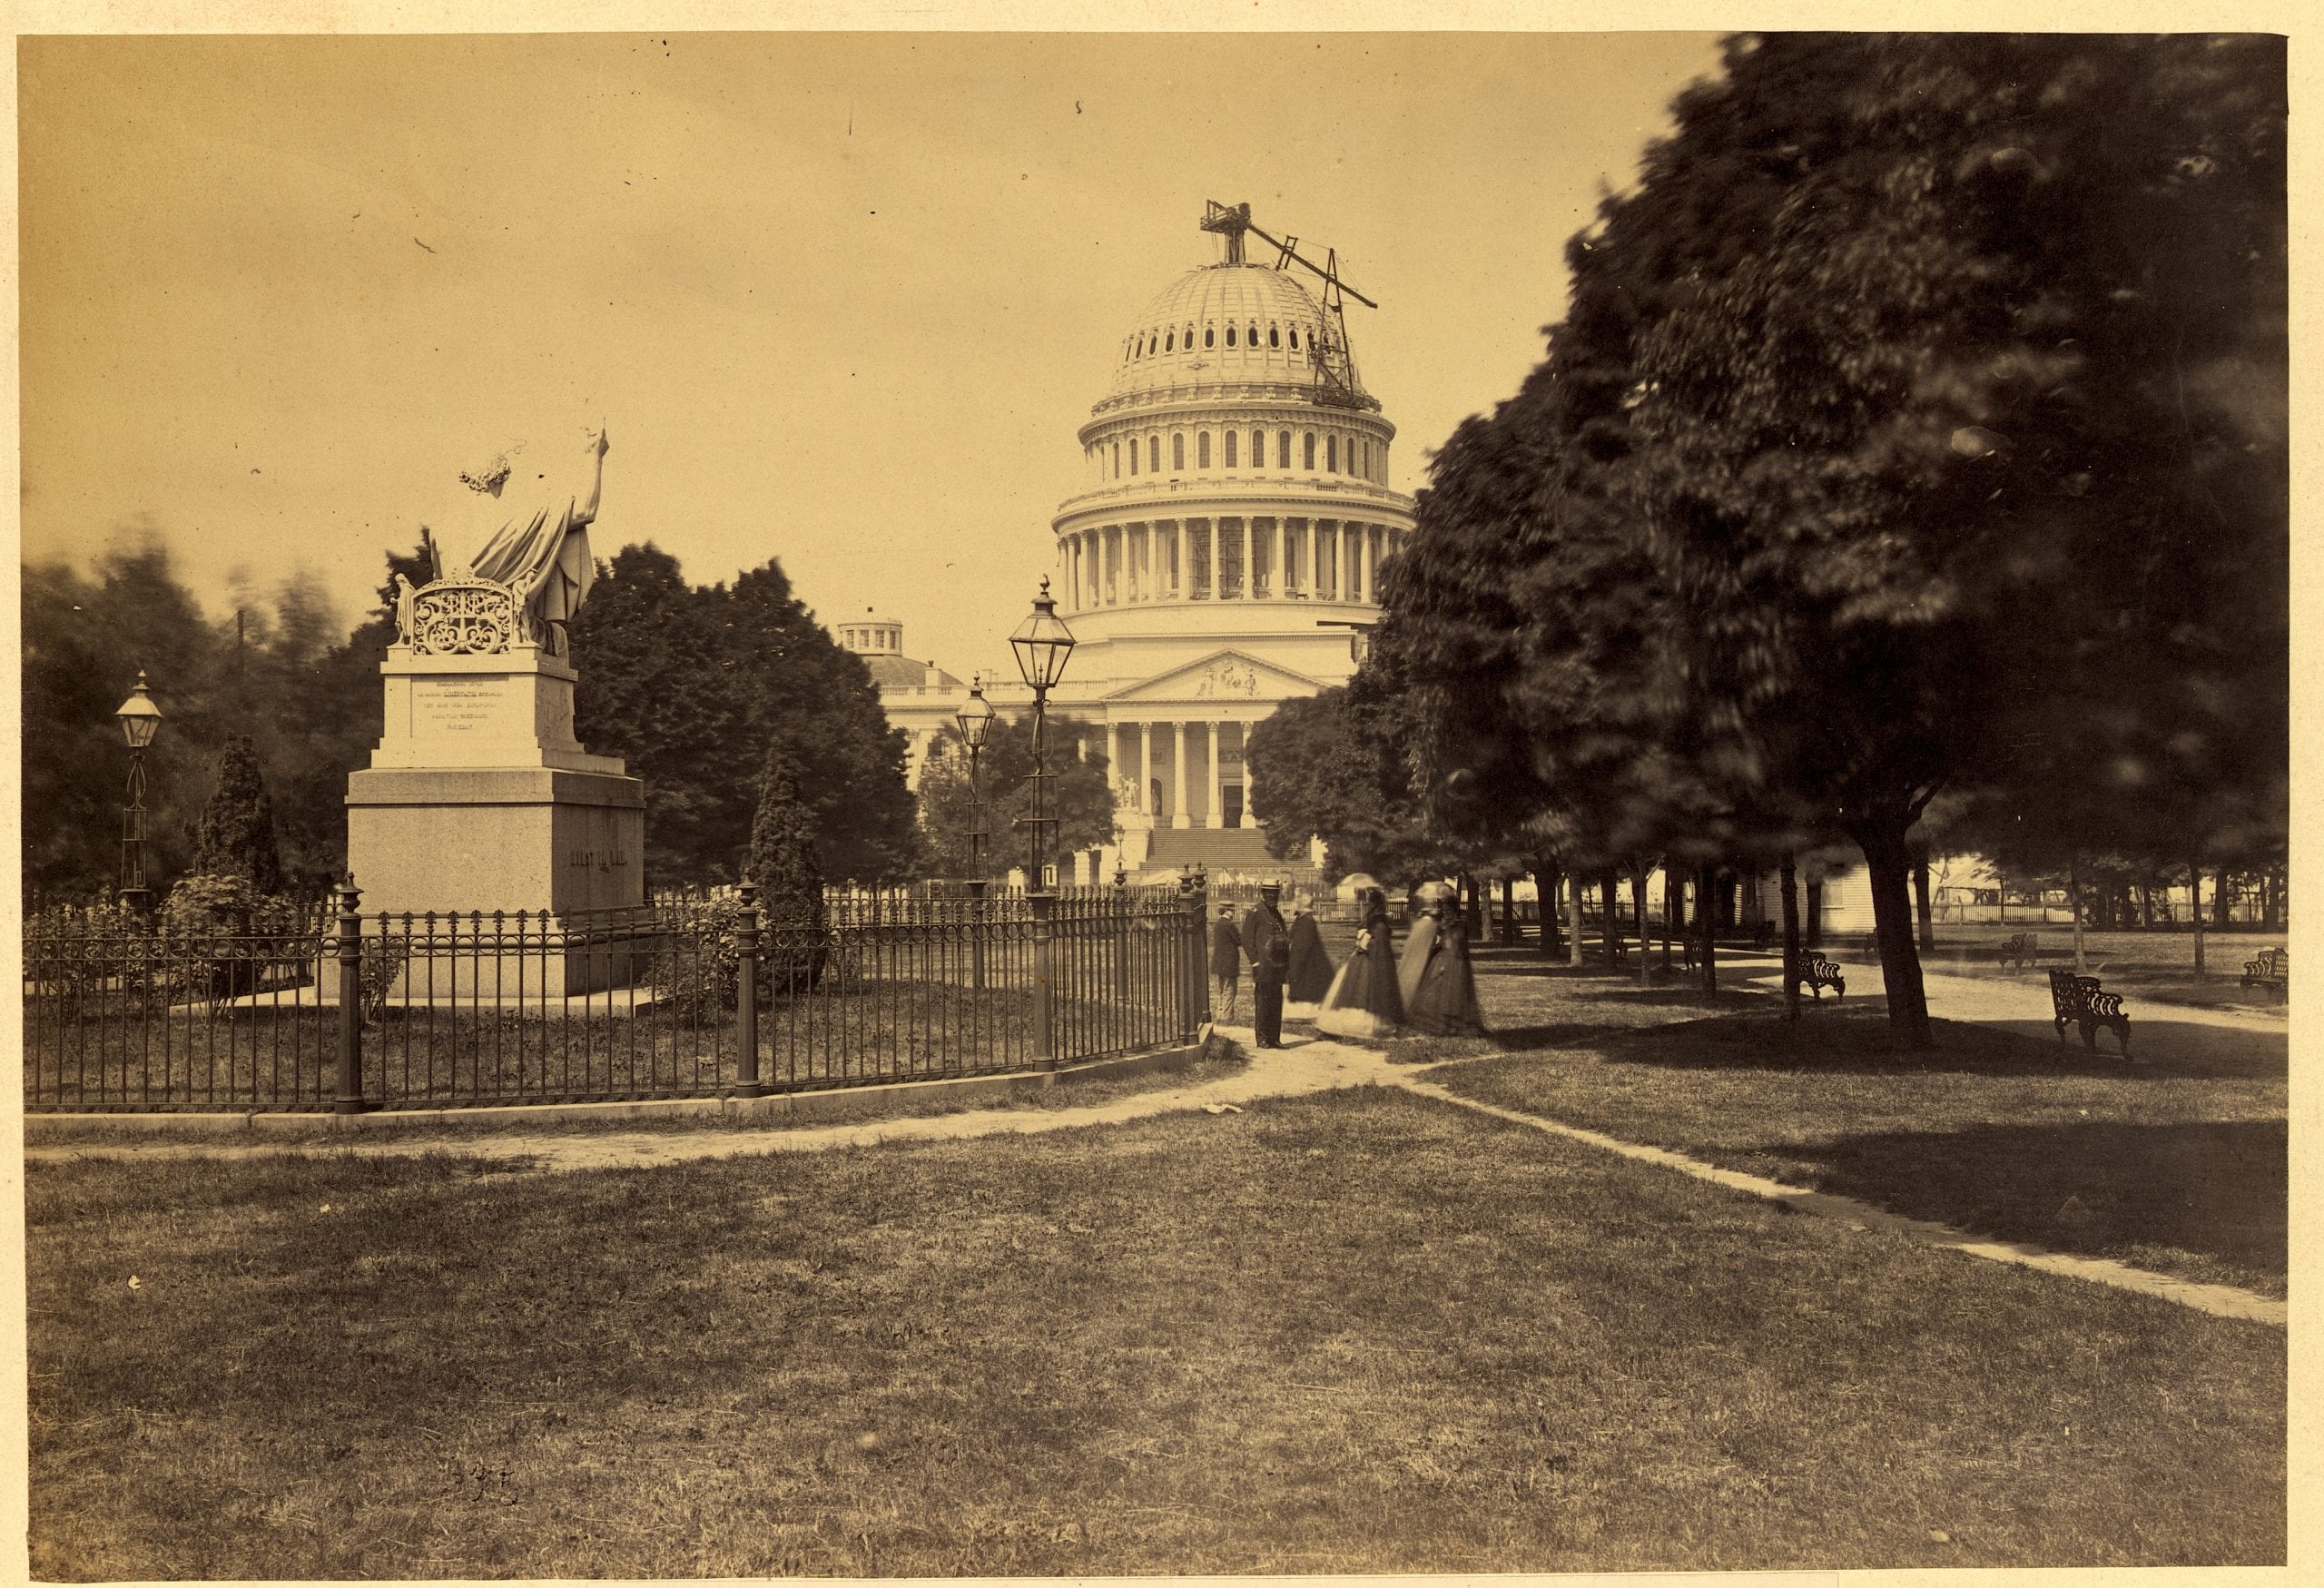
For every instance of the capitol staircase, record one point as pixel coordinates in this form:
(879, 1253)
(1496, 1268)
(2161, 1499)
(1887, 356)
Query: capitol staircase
(1223, 852)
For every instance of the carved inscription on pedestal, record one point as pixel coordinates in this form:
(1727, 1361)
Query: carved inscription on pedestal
(452, 706)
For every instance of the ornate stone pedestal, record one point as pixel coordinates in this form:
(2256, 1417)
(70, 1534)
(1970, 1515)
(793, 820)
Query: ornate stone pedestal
(480, 798)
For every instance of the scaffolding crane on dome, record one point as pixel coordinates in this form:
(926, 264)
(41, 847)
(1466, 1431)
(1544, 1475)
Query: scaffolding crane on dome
(1334, 365)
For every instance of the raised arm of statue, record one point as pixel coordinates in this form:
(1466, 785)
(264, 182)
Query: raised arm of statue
(584, 511)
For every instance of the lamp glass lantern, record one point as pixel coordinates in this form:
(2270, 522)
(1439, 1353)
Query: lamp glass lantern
(139, 717)
(1042, 643)
(975, 718)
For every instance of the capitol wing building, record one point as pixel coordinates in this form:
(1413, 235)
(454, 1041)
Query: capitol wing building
(1222, 556)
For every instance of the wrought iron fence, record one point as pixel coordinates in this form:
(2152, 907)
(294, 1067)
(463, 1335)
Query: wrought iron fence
(353, 1011)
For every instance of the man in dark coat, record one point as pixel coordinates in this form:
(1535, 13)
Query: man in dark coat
(1266, 944)
(1226, 962)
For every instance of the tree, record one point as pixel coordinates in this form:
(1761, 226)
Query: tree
(1917, 420)
(656, 689)
(693, 687)
(235, 837)
(85, 639)
(783, 860)
(1993, 399)
(1079, 796)
(800, 689)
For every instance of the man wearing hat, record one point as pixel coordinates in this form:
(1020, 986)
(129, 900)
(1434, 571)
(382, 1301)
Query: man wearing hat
(1266, 943)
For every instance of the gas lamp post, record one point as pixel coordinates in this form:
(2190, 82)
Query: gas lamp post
(1042, 643)
(139, 720)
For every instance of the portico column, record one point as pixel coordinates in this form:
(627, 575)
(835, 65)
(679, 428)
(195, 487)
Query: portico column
(1145, 766)
(1179, 753)
(1218, 563)
(1250, 565)
(1282, 559)
(1211, 815)
(1356, 579)
(1243, 738)
(1179, 585)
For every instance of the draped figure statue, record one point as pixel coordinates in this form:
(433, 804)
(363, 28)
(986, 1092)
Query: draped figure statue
(528, 527)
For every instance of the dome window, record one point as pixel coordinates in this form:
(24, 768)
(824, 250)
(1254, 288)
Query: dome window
(1210, 336)
(1170, 342)
(1230, 336)
(1202, 449)
(1153, 454)
(1332, 453)
(1117, 460)
(1310, 463)
(1133, 454)
(1294, 338)
(1275, 336)
(1178, 450)
(1254, 337)
(1283, 449)
(1230, 449)
(1258, 448)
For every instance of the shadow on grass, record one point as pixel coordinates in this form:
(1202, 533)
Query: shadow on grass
(1856, 1038)
(2217, 1190)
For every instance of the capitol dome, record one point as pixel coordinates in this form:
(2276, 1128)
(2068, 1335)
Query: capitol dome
(1225, 323)
(1224, 553)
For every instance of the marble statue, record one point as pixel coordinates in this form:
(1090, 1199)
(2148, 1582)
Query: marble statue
(525, 525)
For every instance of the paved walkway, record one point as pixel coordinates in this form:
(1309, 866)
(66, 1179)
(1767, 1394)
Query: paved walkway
(1305, 1066)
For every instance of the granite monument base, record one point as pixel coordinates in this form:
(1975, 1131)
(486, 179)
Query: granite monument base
(484, 840)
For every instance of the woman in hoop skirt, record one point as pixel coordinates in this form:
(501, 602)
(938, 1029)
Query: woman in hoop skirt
(1363, 1002)
(1311, 969)
(1442, 1001)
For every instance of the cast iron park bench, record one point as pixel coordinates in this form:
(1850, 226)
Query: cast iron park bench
(2079, 1000)
(2019, 949)
(1816, 972)
(2271, 969)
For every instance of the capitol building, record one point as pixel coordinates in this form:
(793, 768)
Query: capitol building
(1221, 555)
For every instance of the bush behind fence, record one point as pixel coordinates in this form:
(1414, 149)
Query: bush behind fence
(343, 1011)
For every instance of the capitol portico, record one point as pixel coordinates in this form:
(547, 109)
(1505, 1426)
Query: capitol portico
(1223, 555)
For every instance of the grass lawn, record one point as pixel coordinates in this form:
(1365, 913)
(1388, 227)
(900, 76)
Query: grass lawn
(1361, 1332)
(2180, 1168)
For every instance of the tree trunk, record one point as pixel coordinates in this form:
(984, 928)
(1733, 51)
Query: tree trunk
(2222, 900)
(1790, 937)
(1706, 923)
(2073, 908)
(1610, 922)
(1670, 912)
(2146, 904)
(1638, 904)
(2195, 911)
(1573, 921)
(1881, 835)
(1508, 912)
(1473, 918)
(1920, 906)
(1545, 909)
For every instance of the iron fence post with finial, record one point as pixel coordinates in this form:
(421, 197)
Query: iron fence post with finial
(347, 1095)
(1201, 914)
(746, 993)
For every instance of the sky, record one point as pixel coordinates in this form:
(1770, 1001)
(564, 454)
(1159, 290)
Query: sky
(841, 299)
